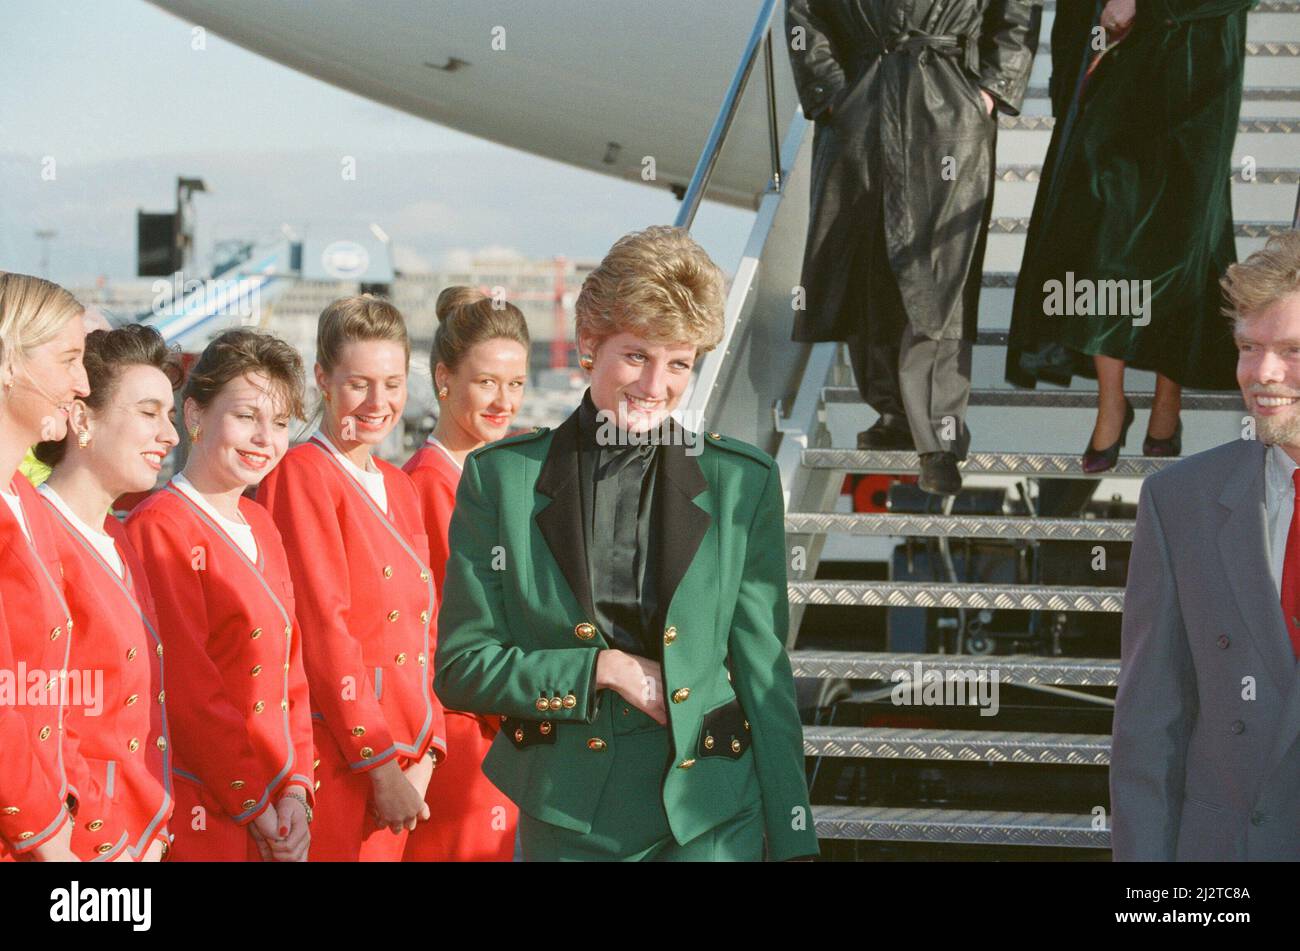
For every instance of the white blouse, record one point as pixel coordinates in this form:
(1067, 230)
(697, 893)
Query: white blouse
(373, 482)
(436, 443)
(103, 542)
(241, 532)
(16, 504)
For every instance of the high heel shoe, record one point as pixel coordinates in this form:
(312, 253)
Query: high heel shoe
(1173, 446)
(1101, 460)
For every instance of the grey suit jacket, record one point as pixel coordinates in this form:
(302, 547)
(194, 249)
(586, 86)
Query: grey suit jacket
(1205, 764)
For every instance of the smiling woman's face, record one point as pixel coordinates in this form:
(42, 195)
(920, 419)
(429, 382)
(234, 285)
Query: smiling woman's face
(366, 391)
(243, 432)
(486, 389)
(133, 433)
(639, 382)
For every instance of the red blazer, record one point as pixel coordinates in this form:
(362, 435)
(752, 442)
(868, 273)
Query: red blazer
(37, 754)
(130, 799)
(436, 478)
(240, 714)
(367, 600)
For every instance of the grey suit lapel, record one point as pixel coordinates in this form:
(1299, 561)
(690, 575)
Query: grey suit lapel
(1243, 548)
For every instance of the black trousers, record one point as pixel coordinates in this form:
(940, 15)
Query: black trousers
(903, 373)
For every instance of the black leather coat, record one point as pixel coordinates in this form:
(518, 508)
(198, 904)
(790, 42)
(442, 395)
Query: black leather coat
(908, 138)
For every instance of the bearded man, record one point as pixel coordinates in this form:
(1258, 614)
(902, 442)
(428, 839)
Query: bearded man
(1205, 765)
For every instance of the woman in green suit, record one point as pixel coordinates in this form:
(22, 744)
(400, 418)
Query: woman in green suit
(617, 592)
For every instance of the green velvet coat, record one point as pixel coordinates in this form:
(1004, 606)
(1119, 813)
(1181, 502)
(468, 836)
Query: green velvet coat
(515, 636)
(1137, 188)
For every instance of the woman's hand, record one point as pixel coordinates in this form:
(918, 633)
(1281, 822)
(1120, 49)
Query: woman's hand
(397, 803)
(637, 680)
(1117, 16)
(988, 101)
(154, 853)
(419, 773)
(295, 835)
(265, 830)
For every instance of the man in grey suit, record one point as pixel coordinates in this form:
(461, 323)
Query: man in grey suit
(1206, 760)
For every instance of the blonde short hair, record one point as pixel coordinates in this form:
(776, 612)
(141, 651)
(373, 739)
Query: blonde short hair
(32, 312)
(350, 319)
(658, 284)
(1266, 277)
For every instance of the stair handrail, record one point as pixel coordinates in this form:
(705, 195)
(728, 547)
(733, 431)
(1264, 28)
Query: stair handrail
(761, 34)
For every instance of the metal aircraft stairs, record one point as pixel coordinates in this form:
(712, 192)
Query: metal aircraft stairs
(799, 403)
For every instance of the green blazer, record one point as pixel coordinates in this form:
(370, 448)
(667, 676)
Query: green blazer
(516, 637)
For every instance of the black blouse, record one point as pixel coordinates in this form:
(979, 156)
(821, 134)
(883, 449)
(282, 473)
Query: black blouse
(617, 480)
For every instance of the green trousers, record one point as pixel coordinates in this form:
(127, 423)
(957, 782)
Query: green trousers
(630, 824)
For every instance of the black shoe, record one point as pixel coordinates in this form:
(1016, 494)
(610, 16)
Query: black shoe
(890, 433)
(1103, 460)
(939, 475)
(1173, 446)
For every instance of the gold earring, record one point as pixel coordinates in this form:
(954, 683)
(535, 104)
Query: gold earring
(194, 434)
(83, 438)
(442, 393)
(585, 361)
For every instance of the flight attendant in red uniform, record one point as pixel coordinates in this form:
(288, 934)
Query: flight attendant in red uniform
(41, 341)
(117, 439)
(359, 555)
(480, 361)
(240, 714)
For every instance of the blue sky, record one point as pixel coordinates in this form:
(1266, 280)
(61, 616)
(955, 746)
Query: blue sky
(112, 93)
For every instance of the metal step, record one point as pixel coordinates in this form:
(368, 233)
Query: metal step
(1029, 464)
(1260, 176)
(1248, 94)
(1017, 669)
(1282, 126)
(932, 594)
(1069, 399)
(1006, 251)
(1241, 229)
(908, 525)
(1274, 48)
(974, 827)
(1265, 6)
(974, 746)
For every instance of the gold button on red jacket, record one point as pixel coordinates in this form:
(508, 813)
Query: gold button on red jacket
(358, 620)
(37, 755)
(128, 801)
(220, 617)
